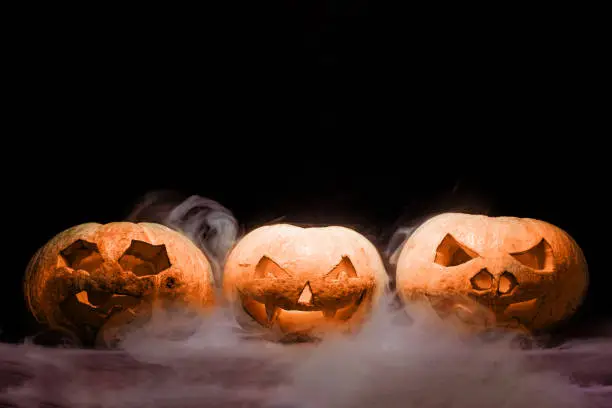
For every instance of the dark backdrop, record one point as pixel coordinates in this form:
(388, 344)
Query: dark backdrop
(320, 112)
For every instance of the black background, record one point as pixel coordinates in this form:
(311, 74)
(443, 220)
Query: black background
(347, 113)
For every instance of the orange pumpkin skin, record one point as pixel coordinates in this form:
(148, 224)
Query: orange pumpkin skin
(293, 283)
(515, 273)
(92, 279)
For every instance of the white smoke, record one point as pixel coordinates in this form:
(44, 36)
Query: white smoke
(396, 243)
(211, 226)
(401, 358)
(393, 362)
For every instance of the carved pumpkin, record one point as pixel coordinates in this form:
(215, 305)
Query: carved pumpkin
(504, 272)
(92, 279)
(299, 283)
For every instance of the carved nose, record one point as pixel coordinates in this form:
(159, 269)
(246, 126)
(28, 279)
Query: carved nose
(507, 282)
(483, 280)
(305, 298)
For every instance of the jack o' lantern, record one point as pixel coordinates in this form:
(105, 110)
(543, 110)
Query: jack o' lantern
(91, 280)
(493, 272)
(297, 283)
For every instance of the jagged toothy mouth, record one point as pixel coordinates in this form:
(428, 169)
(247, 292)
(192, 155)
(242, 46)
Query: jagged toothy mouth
(96, 309)
(268, 314)
(97, 303)
(491, 315)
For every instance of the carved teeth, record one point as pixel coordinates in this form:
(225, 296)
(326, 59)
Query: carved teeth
(271, 311)
(83, 297)
(329, 313)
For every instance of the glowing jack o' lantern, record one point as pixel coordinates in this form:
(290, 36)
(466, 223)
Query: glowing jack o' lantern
(92, 280)
(300, 283)
(516, 273)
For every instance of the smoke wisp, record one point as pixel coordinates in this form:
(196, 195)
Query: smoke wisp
(211, 226)
(391, 362)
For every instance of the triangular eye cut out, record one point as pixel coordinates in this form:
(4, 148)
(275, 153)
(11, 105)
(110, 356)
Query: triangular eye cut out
(344, 269)
(451, 252)
(144, 259)
(539, 257)
(82, 255)
(267, 268)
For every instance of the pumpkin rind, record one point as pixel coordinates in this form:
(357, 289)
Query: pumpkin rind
(315, 280)
(521, 291)
(103, 266)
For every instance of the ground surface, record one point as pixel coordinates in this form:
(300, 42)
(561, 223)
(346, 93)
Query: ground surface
(386, 365)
